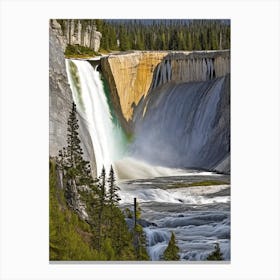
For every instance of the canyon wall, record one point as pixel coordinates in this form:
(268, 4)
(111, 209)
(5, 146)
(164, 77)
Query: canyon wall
(60, 96)
(81, 32)
(60, 99)
(191, 67)
(177, 105)
(131, 75)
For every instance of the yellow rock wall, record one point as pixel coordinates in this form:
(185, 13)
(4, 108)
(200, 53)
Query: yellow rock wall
(130, 76)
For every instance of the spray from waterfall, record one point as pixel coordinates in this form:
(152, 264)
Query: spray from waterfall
(92, 105)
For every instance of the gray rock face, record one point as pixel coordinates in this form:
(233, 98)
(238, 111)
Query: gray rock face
(96, 40)
(60, 100)
(60, 103)
(223, 166)
(74, 201)
(81, 32)
(192, 67)
(56, 28)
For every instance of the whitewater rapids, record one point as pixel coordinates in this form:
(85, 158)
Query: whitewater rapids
(199, 216)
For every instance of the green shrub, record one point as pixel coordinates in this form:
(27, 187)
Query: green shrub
(172, 250)
(79, 51)
(216, 255)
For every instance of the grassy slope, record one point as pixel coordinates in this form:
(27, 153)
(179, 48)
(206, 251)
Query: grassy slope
(69, 237)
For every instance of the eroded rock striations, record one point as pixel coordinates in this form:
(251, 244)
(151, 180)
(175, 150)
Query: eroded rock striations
(60, 103)
(81, 32)
(194, 66)
(60, 99)
(130, 76)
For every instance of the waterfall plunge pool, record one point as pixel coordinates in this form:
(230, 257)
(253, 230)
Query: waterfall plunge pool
(198, 215)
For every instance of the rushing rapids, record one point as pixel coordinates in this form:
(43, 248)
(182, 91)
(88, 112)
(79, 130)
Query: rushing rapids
(176, 126)
(199, 215)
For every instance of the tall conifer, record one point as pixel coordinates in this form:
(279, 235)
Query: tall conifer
(172, 250)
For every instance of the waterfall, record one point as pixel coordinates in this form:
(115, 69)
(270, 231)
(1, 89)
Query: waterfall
(92, 106)
(192, 121)
(187, 127)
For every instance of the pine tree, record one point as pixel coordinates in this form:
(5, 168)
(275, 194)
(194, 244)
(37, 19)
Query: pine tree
(139, 238)
(172, 250)
(101, 193)
(216, 255)
(75, 170)
(107, 234)
(71, 157)
(113, 197)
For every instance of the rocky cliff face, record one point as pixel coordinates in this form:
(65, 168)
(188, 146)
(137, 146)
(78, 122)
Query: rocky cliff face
(132, 75)
(81, 32)
(196, 66)
(60, 99)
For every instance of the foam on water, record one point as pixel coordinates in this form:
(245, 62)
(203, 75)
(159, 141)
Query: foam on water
(189, 195)
(129, 168)
(199, 216)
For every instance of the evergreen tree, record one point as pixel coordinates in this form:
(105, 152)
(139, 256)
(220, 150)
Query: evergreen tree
(104, 235)
(172, 250)
(113, 197)
(119, 234)
(216, 255)
(112, 38)
(124, 39)
(139, 238)
(158, 35)
(75, 170)
(101, 188)
(71, 157)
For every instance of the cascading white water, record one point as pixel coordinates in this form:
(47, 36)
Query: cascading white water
(92, 105)
(107, 137)
(191, 121)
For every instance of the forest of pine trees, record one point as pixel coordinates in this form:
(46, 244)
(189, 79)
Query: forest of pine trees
(104, 234)
(164, 34)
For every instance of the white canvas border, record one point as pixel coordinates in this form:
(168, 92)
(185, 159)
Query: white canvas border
(255, 138)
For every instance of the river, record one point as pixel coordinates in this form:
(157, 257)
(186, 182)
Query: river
(198, 215)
